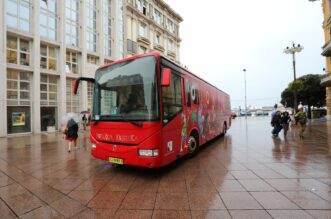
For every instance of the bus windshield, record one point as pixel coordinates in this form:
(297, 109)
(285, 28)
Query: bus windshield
(127, 91)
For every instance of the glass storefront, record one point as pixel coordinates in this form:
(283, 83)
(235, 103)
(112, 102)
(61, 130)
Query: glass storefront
(18, 119)
(48, 118)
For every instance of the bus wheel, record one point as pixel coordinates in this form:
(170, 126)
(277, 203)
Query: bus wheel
(224, 130)
(192, 146)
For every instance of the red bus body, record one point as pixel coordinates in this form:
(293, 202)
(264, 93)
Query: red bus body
(204, 113)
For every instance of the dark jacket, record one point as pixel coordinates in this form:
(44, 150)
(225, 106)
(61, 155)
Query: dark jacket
(72, 127)
(285, 119)
(275, 120)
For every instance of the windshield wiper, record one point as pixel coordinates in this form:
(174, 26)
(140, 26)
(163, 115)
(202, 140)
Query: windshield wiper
(136, 124)
(124, 119)
(132, 122)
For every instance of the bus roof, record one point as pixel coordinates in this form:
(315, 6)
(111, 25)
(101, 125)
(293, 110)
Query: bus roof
(158, 55)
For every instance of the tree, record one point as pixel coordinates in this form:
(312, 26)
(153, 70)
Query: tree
(309, 92)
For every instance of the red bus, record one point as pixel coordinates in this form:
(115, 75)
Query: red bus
(148, 111)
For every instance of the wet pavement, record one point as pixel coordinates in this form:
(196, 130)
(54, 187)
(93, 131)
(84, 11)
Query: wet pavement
(246, 174)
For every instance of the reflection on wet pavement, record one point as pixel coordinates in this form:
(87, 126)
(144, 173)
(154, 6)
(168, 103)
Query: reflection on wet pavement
(246, 174)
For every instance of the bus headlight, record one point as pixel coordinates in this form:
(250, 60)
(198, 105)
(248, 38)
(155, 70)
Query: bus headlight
(93, 146)
(148, 152)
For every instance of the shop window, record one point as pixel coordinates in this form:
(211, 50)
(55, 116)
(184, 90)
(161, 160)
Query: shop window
(18, 119)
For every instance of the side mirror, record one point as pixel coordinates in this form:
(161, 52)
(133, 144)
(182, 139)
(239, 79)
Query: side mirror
(77, 81)
(75, 88)
(165, 77)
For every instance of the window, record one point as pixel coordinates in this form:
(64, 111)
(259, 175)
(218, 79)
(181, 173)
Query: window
(157, 16)
(172, 98)
(48, 19)
(90, 87)
(47, 57)
(188, 92)
(72, 99)
(92, 59)
(18, 51)
(72, 22)
(142, 49)
(18, 86)
(141, 6)
(48, 90)
(72, 63)
(91, 35)
(107, 27)
(142, 30)
(170, 45)
(131, 46)
(144, 9)
(120, 9)
(18, 14)
(170, 26)
(106, 61)
(157, 38)
(176, 30)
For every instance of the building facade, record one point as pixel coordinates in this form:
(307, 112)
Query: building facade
(46, 44)
(326, 51)
(151, 25)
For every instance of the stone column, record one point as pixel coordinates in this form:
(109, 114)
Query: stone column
(100, 34)
(35, 106)
(328, 102)
(83, 60)
(3, 75)
(62, 88)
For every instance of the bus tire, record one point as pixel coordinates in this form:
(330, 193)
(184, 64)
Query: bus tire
(225, 128)
(193, 145)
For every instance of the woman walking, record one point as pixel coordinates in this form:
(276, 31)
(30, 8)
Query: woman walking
(71, 133)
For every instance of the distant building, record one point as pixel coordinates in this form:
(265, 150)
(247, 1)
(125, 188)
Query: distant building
(326, 51)
(151, 25)
(46, 44)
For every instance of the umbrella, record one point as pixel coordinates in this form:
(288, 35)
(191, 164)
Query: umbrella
(84, 112)
(69, 119)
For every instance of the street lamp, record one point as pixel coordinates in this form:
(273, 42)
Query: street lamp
(245, 94)
(292, 50)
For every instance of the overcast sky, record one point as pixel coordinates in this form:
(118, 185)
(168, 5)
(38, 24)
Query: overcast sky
(220, 38)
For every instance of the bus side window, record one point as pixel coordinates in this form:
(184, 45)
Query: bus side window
(172, 99)
(195, 95)
(188, 92)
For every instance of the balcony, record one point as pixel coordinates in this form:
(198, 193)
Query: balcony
(326, 80)
(159, 48)
(171, 54)
(144, 40)
(327, 49)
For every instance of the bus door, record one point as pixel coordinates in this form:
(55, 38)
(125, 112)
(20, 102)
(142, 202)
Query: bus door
(172, 117)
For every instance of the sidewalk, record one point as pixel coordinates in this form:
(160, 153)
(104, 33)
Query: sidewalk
(246, 174)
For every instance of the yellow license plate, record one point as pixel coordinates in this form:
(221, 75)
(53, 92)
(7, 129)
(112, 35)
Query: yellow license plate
(115, 160)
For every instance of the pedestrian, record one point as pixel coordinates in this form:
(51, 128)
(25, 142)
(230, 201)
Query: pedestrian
(285, 121)
(71, 133)
(301, 118)
(84, 121)
(275, 122)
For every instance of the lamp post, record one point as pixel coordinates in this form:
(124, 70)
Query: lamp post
(245, 93)
(292, 50)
